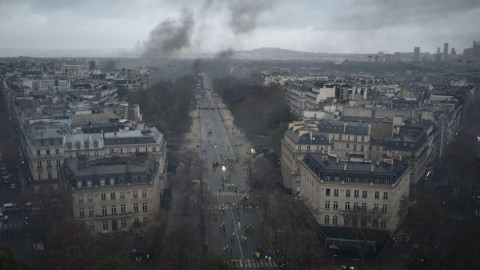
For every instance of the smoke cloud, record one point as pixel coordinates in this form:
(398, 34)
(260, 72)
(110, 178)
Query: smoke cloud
(244, 15)
(224, 54)
(170, 36)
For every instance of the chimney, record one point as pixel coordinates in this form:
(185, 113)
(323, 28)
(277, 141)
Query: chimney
(371, 168)
(345, 165)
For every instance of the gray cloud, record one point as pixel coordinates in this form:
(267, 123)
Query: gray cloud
(170, 36)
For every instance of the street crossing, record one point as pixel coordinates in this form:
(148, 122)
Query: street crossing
(254, 263)
(224, 194)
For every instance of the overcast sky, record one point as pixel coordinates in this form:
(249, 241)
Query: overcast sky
(345, 26)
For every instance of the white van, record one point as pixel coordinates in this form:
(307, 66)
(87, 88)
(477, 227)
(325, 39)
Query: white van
(10, 207)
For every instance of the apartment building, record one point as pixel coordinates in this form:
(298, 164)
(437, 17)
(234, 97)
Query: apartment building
(49, 144)
(353, 194)
(114, 193)
(301, 138)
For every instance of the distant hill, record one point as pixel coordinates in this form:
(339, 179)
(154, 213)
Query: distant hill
(285, 54)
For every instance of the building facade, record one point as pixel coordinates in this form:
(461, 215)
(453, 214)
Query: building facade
(354, 194)
(117, 193)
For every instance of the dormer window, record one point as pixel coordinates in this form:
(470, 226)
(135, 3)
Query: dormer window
(95, 144)
(86, 144)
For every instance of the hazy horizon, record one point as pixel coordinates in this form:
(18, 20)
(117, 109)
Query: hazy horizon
(164, 28)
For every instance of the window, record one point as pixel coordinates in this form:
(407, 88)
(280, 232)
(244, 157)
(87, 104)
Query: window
(134, 179)
(364, 206)
(347, 205)
(114, 209)
(384, 224)
(50, 176)
(144, 193)
(375, 207)
(135, 207)
(91, 225)
(362, 147)
(38, 152)
(335, 205)
(89, 183)
(348, 137)
(144, 221)
(111, 151)
(135, 194)
(58, 163)
(112, 196)
(122, 195)
(95, 144)
(327, 192)
(345, 221)
(354, 147)
(363, 138)
(335, 192)
(333, 145)
(114, 225)
(327, 219)
(144, 207)
(340, 136)
(384, 208)
(121, 180)
(334, 220)
(355, 138)
(48, 151)
(81, 213)
(86, 144)
(347, 193)
(122, 208)
(90, 211)
(299, 147)
(377, 194)
(355, 205)
(375, 223)
(96, 153)
(39, 164)
(79, 184)
(355, 193)
(348, 146)
(105, 225)
(308, 147)
(385, 195)
(80, 198)
(137, 149)
(89, 197)
(77, 145)
(154, 149)
(298, 169)
(104, 210)
(69, 145)
(364, 194)
(327, 204)
(136, 222)
(57, 151)
(124, 223)
(104, 196)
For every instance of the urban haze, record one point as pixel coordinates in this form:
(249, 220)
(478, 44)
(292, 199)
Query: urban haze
(239, 134)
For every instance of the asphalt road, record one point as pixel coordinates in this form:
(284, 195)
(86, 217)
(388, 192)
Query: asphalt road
(219, 141)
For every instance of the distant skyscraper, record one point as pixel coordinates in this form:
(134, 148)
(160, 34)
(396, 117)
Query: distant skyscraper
(445, 51)
(438, 49)
(416, 53)
(453, 52)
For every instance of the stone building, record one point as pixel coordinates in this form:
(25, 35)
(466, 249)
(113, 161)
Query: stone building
(354, 194)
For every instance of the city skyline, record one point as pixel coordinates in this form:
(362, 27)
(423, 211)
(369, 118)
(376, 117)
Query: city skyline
(213, 26)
